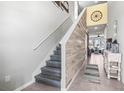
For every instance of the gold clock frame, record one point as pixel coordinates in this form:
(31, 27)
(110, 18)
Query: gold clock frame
(96, 16)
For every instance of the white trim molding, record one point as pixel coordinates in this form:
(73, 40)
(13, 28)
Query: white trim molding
(25, 85)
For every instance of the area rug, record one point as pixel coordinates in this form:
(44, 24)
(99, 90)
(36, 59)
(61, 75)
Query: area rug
(92, 73)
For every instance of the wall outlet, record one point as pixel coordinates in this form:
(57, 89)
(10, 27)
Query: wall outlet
(7, 78)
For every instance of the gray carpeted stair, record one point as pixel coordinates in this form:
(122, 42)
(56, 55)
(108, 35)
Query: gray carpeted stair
(51, 73)
(92, 67)
(92, 73)
(55, 64)
(46, 80)
(58, 48)
(57, 52)
(55, 58)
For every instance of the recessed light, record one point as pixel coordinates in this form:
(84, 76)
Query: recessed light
(96, 1)
(95, 28)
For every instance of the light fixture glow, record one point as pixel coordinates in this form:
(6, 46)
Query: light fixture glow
(95, 28)
(76, 10)
(96, 1)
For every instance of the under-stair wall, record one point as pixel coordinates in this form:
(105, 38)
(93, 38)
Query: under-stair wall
(74, 51)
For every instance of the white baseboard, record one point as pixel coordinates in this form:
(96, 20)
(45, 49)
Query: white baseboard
(25, 85)
(76, 74)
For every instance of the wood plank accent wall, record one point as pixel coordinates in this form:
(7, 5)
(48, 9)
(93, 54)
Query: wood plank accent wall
(75, 50)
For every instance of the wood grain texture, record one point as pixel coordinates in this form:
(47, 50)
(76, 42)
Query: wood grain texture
(75, 49)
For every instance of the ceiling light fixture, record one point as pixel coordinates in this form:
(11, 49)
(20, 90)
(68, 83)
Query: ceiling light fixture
(96, 1)
(95, 28)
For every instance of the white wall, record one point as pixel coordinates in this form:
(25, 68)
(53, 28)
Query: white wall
(71, 10)
(22, 25)
(116, 12)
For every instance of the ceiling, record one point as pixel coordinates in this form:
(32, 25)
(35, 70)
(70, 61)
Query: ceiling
(83, 4)
(95, 30)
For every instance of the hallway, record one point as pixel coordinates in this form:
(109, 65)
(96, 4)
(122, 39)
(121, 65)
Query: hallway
(81, 84)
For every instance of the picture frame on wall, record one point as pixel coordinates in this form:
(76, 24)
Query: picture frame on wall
(64, 5)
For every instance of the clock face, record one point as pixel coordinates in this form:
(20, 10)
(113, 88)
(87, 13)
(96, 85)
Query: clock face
(96, 16)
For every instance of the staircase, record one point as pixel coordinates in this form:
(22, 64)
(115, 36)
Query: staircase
(51, 73)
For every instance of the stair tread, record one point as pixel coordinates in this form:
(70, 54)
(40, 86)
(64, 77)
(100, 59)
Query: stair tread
(53, 64)
(51, 61)
(48, 76)
(58, 47)
(56, 55)
(57, 52)
(51, 69)
(48, 81)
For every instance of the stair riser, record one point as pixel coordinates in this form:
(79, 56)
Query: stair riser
(58, 48)
(51, 77)
(92, 74)
(49, 82)
(54, 58)
(57, 52)
(51, 74)
(54, 65)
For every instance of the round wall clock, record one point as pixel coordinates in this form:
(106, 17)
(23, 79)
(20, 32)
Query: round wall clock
(96, 16)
